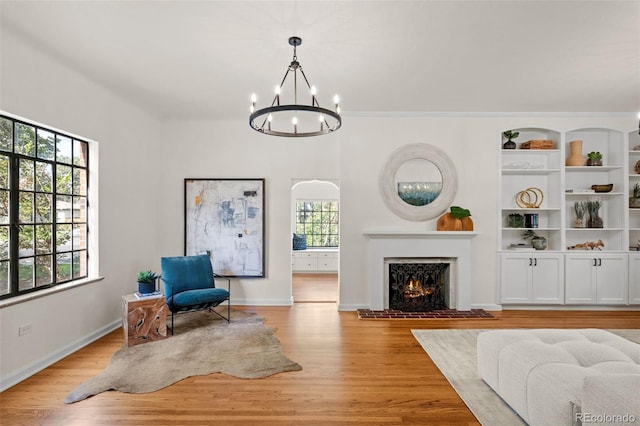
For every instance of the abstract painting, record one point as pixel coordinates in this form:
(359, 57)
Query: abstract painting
(224, 218)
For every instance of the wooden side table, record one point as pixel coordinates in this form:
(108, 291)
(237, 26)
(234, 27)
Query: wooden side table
(143, 320)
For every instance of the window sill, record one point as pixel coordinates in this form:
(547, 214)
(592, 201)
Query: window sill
(42, 293)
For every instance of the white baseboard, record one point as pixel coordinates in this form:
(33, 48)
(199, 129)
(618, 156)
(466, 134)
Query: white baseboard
(570, 308)
(41, 364)
(487, 307)
(262, 302)
(342, 307)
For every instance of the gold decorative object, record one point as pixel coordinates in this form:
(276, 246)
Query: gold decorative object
(637, 167)
(530, 198)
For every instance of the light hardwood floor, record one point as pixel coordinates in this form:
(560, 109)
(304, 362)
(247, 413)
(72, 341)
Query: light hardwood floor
(314, 288)
(355, 372)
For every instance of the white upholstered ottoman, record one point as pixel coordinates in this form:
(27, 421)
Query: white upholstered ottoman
(561, 377)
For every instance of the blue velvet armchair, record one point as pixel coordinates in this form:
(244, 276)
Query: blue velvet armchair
(189, 285)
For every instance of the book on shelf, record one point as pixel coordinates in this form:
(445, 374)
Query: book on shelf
(580, 191)
(139, 295)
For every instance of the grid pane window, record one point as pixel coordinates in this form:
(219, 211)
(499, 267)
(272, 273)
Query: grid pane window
(46, 144)
(319, 221)
(6, 134)
(4, 278)
(25, 139)
(44, 207)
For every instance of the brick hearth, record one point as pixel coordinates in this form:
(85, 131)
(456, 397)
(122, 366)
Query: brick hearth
(438, 314)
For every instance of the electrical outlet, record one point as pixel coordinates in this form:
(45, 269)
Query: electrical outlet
(25, 329)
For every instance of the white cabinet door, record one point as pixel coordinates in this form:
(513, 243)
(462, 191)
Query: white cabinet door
(599, 278)
(531, 278)
(304, 261)
(612, 285)
(302, 264)
(328, 262)
(515, 278)
(580, 283)
(634, 279)
(314, 261)
(546, 283)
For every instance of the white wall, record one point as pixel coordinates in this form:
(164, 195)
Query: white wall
(230, 149)
(38, 87)
(472, 143)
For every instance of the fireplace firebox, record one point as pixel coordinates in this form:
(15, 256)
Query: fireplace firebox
(418, 285)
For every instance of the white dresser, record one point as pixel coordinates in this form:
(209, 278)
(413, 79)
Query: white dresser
(315, 260)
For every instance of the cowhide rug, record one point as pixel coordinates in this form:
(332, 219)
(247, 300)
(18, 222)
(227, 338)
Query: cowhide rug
(203, 344)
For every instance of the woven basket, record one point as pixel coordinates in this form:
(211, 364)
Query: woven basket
(537, 144)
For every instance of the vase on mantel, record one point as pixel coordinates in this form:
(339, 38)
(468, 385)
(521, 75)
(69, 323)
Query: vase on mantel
(575, 157)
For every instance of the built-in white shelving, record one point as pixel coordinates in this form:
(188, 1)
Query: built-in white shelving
(556, 275)
(633, 178)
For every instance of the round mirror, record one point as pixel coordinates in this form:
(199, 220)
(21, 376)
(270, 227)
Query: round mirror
(418, 182)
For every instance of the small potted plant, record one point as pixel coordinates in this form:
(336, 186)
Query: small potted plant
(147, 282)
(516, 220)
(634, 201)
(510, 134)
(538, 242)
(594, 158)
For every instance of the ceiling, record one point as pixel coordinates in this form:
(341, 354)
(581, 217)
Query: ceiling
(203, 59)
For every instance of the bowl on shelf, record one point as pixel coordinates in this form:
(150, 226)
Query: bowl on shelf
(602, 188)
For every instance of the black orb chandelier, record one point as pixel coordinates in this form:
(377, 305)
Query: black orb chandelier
(294, 119)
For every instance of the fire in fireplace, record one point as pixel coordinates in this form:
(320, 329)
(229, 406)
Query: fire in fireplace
(418, 287)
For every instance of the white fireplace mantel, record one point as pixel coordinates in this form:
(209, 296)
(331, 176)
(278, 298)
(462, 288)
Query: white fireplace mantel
(437, 244)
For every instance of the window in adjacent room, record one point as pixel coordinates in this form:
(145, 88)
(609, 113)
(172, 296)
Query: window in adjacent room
(44, 186)
(318, 220)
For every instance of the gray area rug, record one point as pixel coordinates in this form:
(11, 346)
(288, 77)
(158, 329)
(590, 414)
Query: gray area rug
(454, 353)
(203, 344)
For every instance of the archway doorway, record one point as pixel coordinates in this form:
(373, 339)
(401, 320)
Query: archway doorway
(315, 220)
